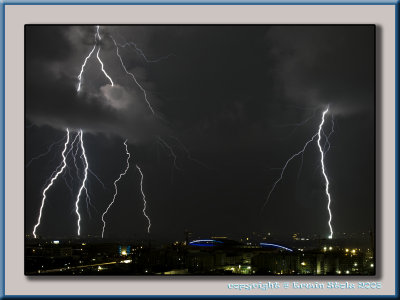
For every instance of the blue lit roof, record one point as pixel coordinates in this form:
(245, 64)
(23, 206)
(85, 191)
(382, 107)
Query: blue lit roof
(205, 243)
(275, 246)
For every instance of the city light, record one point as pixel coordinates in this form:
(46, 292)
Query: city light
(189, 260)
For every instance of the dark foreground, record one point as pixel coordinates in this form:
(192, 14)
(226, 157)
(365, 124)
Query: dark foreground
(201, 257)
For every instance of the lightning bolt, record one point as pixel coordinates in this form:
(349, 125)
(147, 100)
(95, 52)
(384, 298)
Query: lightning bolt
(44, 153)
(171, 153)
(81, 148)
(62, 165)
(301, 123)
(319, 133)
(144, 198)
(74, 158)
(69, 170)
(74, 154)
(98, 33)
(96, 37)
(87, 198)
(97, 178)
(102, 67)
(116, 187)
(324, 172)
(83, 68)
(83, 157)
(286, 164)
(298, 124)
(189, 155)
(133, 77)
(83, 186)
(141, 53)
(66, 181)
(327, 145)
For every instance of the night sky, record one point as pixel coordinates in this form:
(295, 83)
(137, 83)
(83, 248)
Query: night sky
(233, 102)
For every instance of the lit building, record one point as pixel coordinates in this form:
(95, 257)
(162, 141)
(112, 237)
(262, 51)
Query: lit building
(124, 250)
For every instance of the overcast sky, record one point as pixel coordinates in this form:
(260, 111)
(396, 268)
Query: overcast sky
(240, 99)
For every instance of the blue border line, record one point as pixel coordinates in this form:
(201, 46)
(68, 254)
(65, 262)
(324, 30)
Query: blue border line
(397, 80)
(204, 2)
(201, 2)
(2, 153)
(3, 3)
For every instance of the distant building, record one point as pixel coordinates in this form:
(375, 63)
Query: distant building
(124, 250)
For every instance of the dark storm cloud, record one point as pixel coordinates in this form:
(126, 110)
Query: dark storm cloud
(51, 82)
(332, 64)
(232, 94)
(215, 72)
